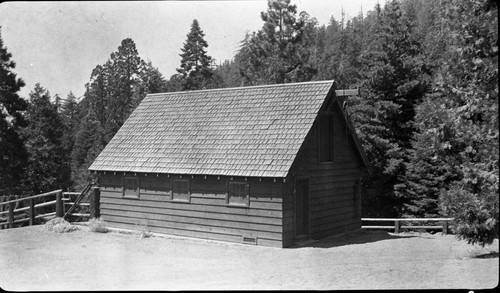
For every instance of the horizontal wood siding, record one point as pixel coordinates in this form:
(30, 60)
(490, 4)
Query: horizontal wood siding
(333, 207)
(206, 215)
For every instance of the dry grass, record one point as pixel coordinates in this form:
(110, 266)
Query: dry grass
(143, 230)
(60, 225)
(98, 225)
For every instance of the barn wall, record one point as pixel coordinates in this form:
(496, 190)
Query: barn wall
(335, 203)
(206, 215)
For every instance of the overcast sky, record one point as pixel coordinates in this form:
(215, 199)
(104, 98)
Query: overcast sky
(59, 43)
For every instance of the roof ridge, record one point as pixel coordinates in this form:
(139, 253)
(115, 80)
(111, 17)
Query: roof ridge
(247, 87)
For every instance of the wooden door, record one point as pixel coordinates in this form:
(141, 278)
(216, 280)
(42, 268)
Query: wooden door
(301, 206)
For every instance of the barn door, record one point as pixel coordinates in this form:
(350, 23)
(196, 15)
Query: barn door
(301, 207)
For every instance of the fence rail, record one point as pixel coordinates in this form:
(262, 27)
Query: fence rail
(443, 223)
(11, 213)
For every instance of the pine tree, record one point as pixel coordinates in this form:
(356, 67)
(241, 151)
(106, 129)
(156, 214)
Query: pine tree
(428, 172)
(196, 65)
(279, 52)
(13, 154)
(393, 85)
(70, 117)
(467, 87)
(123, 74)
(89, 142)
(47, 167)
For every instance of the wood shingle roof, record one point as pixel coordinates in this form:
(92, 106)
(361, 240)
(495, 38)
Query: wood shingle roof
(248, 131)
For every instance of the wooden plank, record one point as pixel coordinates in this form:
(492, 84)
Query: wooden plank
(422, 227)
(194, 207)
(195, 224)
(79, 215)
(45, 215)
(44, 204)
(198, 235)
(325, 213)
(332, 186)
(324, 176)
(335, 191)
(33, 196)
(407, 219)
(334, 214)
(337, 199)
(69, 193)
(378, 227)
(84, 204)
(338, 223)
(204, 201)
(21, 220)
(186, 229)
(197, 221)
(346, 92)
(195, 214)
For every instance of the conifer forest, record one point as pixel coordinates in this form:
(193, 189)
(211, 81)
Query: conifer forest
(427, 113)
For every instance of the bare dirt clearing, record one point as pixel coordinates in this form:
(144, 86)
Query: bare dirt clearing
(32, 258)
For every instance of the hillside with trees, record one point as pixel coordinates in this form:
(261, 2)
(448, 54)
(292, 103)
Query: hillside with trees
(427, 114)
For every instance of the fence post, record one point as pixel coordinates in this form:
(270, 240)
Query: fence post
(94, 202)
(12, 206)
(445, 227)
(396, 226)
(59, 203)
(31, 202)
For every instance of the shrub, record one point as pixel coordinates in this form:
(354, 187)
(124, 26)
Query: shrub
(97, 225)
(143, 230)
(60, 225)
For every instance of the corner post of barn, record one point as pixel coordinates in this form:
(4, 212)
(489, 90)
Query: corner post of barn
(94, 202)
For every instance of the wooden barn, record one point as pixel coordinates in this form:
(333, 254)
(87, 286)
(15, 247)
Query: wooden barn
(263, 165)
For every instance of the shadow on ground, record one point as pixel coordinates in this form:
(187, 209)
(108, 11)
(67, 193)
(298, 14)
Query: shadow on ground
(357, 237)
(493, 254)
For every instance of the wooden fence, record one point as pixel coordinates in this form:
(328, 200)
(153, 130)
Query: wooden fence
(402, 223)
(15, 210)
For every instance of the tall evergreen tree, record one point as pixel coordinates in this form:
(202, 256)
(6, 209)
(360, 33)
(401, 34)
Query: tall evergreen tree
(196, 70)
(13, 155)
(123, 83)
(278, 52)
(466, 138)
(47, 167)
(114, 90)
(394, 84)
(70, 117)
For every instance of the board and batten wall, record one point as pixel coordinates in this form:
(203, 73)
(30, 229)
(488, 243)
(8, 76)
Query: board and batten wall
(335, 201)
(206, 215)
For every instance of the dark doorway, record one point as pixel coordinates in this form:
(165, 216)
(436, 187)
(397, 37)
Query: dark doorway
(301, 207)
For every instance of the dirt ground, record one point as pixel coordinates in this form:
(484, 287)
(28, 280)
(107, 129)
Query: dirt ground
(32, 258)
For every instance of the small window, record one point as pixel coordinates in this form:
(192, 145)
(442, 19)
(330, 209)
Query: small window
(325, 138)
(131, 187)
(238, 194)
(180, 190)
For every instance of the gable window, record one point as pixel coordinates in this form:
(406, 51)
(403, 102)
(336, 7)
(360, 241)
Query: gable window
(238, 194)
(180, 190)
(326, 146)
(130, 187)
